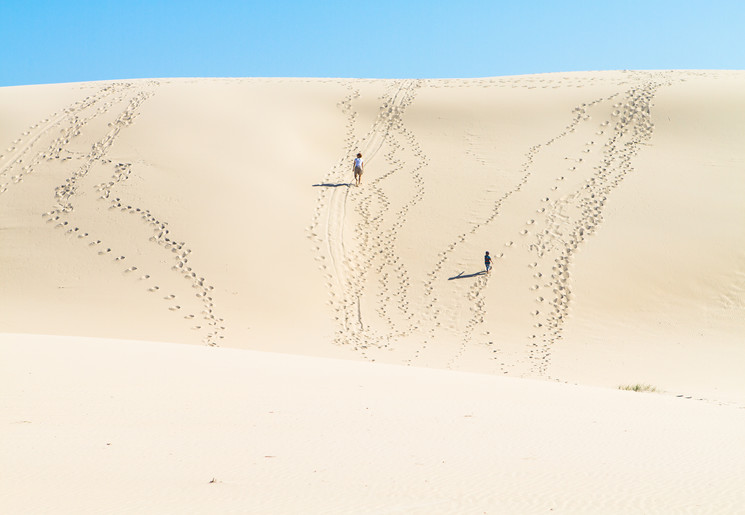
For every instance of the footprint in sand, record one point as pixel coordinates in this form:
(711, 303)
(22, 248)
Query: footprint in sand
(154, 288)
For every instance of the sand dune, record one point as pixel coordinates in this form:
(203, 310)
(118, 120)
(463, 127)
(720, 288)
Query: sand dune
(145, 427)
(220, 213)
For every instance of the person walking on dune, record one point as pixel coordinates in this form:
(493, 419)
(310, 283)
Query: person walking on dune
(359, 166)
(487, 261)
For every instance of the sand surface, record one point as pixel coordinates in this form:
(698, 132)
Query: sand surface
(95, 426)
(140, 215)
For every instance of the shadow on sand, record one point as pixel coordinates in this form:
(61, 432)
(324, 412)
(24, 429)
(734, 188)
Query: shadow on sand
(329, 185)
(461, 276)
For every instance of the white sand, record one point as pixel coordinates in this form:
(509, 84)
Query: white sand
(113, 426)
(218, 213)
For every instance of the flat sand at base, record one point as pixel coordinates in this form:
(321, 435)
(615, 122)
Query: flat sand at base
(191, 288)
(142, 427)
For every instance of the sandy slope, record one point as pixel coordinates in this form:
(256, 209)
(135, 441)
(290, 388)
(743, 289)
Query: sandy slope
(140, 427)
(220, 213)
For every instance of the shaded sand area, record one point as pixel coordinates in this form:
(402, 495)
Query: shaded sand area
(138, 215)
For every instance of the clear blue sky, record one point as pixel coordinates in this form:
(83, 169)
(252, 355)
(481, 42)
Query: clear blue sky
(50, 41)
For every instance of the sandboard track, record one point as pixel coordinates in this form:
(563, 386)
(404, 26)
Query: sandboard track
(326, 231)
(349, 266)
(376, 233)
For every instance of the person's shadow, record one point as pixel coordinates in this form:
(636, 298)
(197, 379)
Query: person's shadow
(330, 185)
(461, 276)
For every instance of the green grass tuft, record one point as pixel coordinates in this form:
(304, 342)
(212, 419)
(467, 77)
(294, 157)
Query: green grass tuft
(638, 388)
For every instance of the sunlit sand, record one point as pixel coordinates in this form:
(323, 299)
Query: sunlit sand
(202, 313)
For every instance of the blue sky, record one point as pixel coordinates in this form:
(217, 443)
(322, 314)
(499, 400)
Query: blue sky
(76, 40)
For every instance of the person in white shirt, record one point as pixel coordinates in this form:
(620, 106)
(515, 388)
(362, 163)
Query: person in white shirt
(359, 166)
